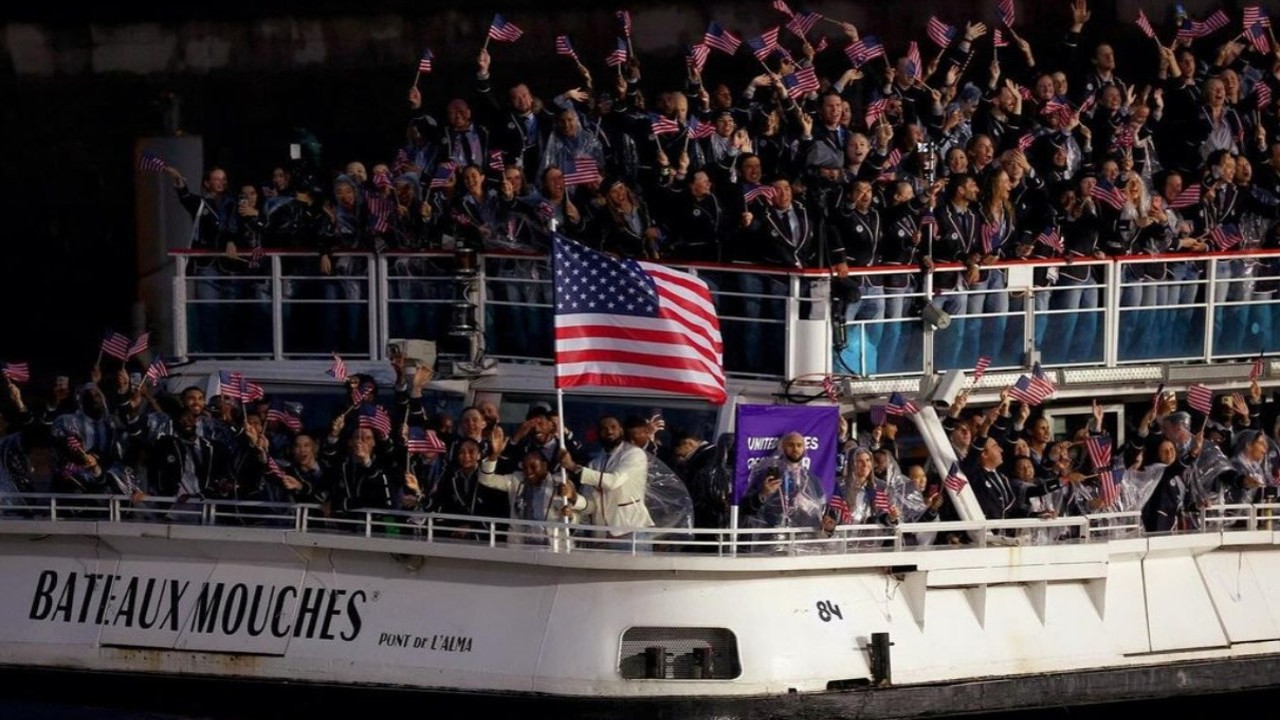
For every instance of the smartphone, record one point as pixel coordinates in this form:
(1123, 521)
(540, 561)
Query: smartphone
(295, 151)
(62, 382)
(135, 379)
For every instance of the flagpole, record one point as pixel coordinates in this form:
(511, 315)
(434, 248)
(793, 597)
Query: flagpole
(485, 47)
(416, 76)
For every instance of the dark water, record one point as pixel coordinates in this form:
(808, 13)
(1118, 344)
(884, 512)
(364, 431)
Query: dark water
(29, 695)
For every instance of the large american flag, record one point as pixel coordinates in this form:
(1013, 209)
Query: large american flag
(955, 481)
(581, 170)
(17, 372)
(1099, 449)
(939, 32)
(1200, 397)
(503, 31)
(115, 345)
(721, 39)
(623, 323)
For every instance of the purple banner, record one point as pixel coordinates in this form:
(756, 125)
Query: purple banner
(760, 427)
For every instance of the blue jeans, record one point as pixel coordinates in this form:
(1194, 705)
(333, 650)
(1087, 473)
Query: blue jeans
(864, 327)
(345, 327)
(1184, 329)
(206, 320)
(762, 345)
(896, 352)
(1074, 333)
(947, 344)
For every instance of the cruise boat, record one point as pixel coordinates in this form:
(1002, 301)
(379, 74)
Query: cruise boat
(865, 621)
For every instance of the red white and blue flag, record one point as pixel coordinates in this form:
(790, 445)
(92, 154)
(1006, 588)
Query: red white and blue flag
(939, 32)
(278, 413)
(377, 419)
(424, 62)
(1051, 238)
(782, 7)
(149, 162)
(565, 48)
(1144, 25)
(955, 480)
(801, 82)
(721, 39)
(663, 125)
(864, 49)
(899, 406)
(619, 54)
(17, 372)
(1108, 194)
(156, 371)
(624, 20)
(581, 170)
(1108, 491)
(764, 45)
(875, 109)
(337, 369)
(140, 345)
(1254, 15)
(1256, 370)
(1186, 198)
(802, 23)
(1005, 7)
(1200, 397)
(914, 65)
(1225, 237)
(423, 441)
(645, 326)
(1191, 29)
(980, 368)
(763, 193)
(1099, 449)
(115, 345)
(503, 31)
(696, 57)
(838, 508)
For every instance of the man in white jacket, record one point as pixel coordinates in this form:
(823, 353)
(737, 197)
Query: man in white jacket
(613, 483)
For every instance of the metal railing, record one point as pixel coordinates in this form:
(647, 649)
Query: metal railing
(1194, 308)
(562, 537)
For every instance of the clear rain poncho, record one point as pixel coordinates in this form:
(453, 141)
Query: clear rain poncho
(1256, 458)
(668, 500)
(798, 503)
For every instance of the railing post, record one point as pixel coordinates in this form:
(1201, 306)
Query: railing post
(373, 300)
(1111, 318)
(298, 514)
(1211, 282)
(211, 513)
(384, 304)
(277, 309)
(926, 337)
(493, 534)
(431, 528)
(179, 340)
(368, 524)
(53, 508)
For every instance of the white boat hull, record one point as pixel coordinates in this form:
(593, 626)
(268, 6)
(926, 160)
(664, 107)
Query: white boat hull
(353, 611)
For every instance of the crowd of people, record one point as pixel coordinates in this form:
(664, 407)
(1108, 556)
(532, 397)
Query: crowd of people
(167, 452)
(1066, 150)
